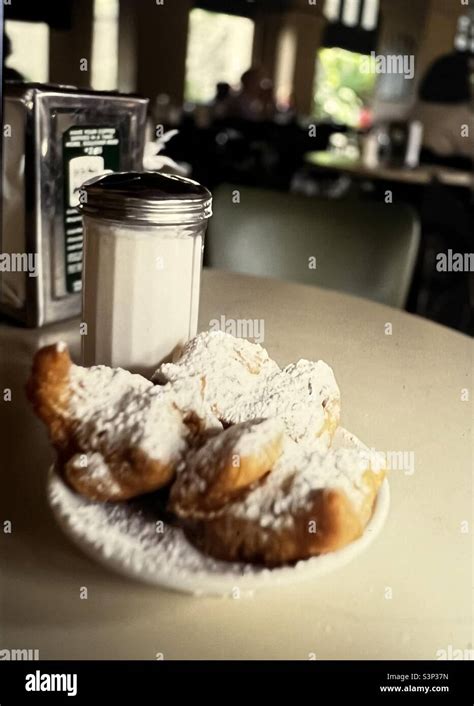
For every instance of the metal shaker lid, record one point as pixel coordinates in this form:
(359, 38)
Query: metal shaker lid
(146, 198)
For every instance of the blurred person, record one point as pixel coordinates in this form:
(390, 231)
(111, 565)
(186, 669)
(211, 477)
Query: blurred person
(9, 74)
(254, 101)
(444, 106)
(220, 104)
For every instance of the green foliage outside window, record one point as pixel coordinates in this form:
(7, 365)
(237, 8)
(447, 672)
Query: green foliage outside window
(342, 87)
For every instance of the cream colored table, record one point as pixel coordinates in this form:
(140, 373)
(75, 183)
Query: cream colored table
(408, 596)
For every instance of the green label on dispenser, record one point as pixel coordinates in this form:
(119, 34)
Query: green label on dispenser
(88, 151)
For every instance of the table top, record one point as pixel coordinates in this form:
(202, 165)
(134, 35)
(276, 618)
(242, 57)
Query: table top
(422, 175)
(407, 597)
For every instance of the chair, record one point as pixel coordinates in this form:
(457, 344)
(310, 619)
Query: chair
(363, 248)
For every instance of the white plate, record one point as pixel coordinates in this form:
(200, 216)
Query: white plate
(126, 539)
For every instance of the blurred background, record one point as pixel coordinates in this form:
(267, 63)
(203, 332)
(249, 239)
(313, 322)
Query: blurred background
(341, 130)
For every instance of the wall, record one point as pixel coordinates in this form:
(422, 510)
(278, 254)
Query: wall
(267, 30)
(161, 40)
(68, 48)
(309, 27)
(307, 23)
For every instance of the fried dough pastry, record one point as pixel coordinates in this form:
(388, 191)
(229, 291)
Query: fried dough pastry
(117, 435)
(257, 470)
(229, 371)
(304, 395)
(240, 382)
(225, 466)
(314, 501)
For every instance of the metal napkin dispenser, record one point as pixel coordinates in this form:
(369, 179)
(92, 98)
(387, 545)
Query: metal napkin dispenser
(54, 139)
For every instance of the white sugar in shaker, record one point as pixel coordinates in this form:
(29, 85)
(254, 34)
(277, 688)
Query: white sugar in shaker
(144, 236)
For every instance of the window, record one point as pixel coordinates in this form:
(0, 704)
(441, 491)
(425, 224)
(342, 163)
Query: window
(30, 49)
(353, 12)
(352, 25)
(342, 90)
(464, 39)
(105, 45)
(219, 50)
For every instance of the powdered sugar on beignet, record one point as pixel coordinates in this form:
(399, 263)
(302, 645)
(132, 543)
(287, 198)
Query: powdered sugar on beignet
(240, 382)
(226, 466)
(229, 371)
(314, 501)
(139, 430)
(304, 395)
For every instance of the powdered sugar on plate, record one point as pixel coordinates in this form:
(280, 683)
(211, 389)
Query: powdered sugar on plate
(138, 543)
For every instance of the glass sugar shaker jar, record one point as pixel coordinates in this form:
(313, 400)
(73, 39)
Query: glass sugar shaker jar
(144, 237)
